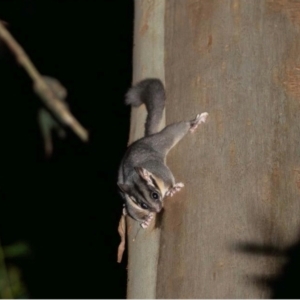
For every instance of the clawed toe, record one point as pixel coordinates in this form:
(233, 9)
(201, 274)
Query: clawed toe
(148, 220)
(200, 118)
(174, 189)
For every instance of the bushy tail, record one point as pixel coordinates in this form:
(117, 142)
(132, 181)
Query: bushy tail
(151, 92)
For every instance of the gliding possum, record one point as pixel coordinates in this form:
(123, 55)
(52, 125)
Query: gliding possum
(144, 179)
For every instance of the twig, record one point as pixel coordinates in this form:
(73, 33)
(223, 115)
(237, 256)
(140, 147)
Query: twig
(122, 232)
(60, 110)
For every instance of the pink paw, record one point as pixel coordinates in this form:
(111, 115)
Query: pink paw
(174, 189)
(148, 220)
(198, 120)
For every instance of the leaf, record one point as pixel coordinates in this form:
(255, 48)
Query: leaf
(17, 249)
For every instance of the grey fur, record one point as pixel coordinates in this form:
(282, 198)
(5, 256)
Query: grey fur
(143, 164)
(151, 92)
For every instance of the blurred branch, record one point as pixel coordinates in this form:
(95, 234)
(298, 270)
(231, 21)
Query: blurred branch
(59, 109)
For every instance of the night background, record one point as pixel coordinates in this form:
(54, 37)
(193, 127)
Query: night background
(59, 216)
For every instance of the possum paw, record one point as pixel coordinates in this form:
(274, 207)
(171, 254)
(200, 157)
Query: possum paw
(148, 220)
(174, 189)
(198, 120)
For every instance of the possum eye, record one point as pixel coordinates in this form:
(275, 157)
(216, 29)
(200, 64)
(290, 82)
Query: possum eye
(144, 205)
(154, 196)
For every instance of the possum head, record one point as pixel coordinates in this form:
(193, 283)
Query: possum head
(143, 196)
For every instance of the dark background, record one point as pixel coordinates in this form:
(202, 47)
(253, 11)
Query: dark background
(66, 208)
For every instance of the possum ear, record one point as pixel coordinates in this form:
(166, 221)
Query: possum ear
(145, 175)
(125, 188)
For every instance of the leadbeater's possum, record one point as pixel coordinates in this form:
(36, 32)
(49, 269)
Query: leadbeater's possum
(144, 178)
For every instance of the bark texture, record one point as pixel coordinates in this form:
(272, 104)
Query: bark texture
(224, 235)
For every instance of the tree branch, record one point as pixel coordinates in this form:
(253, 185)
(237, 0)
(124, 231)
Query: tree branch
(59, 109)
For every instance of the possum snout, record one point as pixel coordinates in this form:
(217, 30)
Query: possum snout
(157, 207)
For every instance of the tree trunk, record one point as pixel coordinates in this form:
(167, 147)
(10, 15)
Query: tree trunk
(240, 62)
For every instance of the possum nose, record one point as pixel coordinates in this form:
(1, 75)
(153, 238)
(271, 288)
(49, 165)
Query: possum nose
(158, 207)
